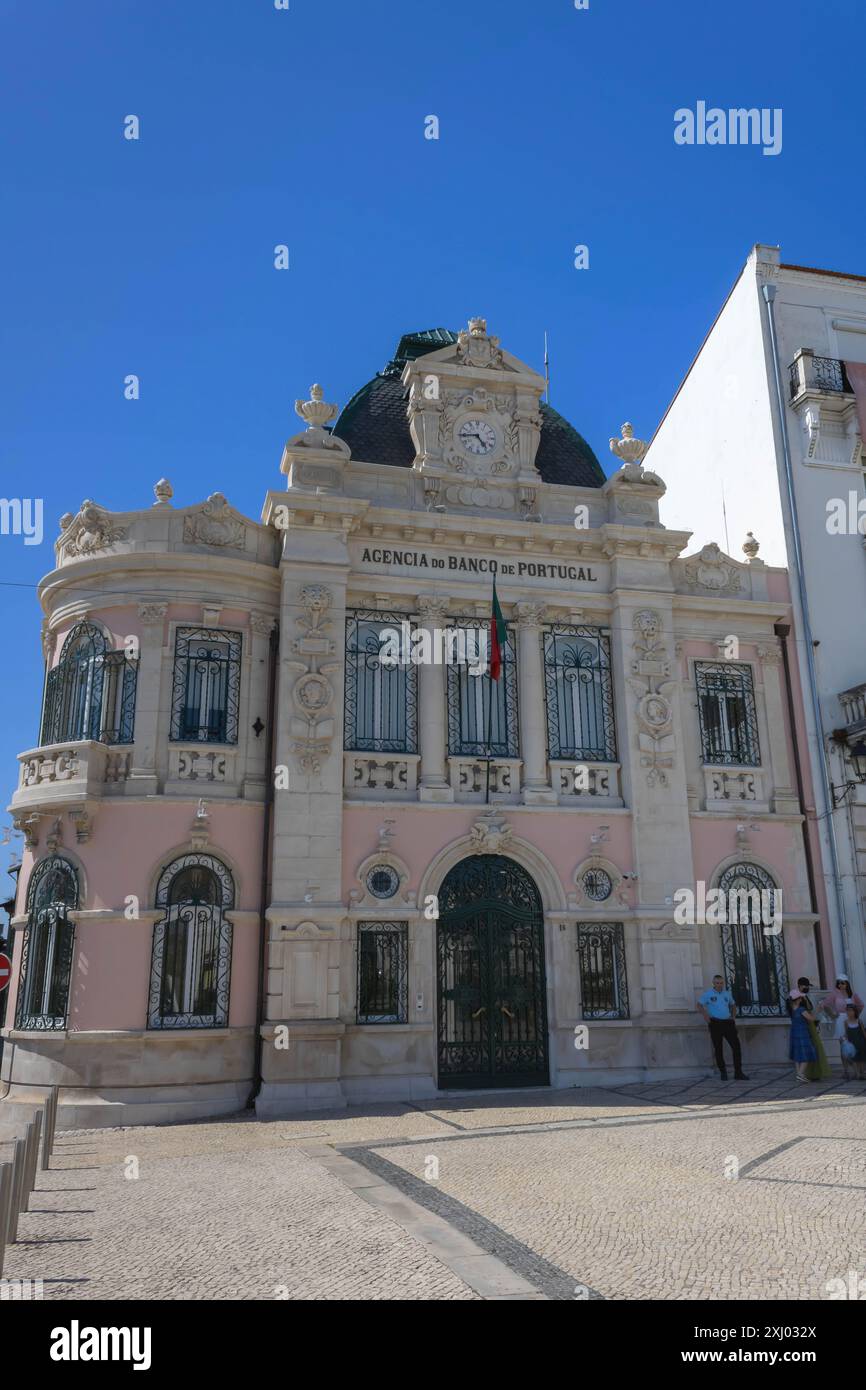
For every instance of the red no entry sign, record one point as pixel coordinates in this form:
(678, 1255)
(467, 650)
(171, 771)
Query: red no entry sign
(5, 970)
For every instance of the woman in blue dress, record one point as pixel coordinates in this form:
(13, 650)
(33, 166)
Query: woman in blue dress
(802, 1049)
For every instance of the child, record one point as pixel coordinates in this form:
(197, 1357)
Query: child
(854, 1045)
(802, 1049)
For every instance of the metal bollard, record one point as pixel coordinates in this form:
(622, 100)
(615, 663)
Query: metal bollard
(6, 1170)
(15, 1195)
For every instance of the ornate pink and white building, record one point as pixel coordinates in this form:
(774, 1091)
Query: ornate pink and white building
(264, 861)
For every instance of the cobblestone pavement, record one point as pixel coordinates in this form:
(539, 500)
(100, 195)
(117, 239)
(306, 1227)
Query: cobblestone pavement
(677, 1190)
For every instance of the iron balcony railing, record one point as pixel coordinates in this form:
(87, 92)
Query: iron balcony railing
(811, 373)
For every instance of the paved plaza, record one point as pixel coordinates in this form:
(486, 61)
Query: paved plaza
(678, 1190)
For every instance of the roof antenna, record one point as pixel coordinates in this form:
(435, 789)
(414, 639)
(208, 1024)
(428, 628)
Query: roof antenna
(725, 516)
(546, 371)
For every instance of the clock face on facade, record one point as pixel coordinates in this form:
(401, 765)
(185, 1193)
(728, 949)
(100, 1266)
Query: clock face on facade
(477, 437)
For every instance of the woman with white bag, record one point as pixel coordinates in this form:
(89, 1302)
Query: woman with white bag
(836, 1004)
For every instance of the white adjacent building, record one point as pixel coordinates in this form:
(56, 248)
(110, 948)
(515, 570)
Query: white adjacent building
(765, 427)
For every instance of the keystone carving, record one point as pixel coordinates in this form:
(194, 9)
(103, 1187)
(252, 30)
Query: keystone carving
(490, 833)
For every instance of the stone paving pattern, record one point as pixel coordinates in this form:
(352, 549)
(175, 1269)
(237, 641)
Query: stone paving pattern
(601, 1193)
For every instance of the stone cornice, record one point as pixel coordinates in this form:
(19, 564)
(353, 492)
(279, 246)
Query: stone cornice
(87, 579)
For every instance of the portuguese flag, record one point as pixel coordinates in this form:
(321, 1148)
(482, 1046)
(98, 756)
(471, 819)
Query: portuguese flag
(497, 637)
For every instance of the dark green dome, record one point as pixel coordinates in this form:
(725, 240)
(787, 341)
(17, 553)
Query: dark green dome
(375, 427)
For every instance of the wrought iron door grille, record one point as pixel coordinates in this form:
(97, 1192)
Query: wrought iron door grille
(755, 967)
(381, 701)
(603, 976)
(206, 686)
(726, 711)
(90, 693)
(491, 1005)
(469, 702)
(46, 954)
(383, 972)
(579, 694)
(192, 945)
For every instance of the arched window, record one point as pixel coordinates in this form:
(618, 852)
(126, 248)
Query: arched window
(192, 945)
(90, 693)
(753, 949)
(46, 957)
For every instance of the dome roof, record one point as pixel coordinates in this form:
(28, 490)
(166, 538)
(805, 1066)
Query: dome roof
(376, 429)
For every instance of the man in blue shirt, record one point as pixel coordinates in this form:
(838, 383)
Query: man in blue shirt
(719, 1010)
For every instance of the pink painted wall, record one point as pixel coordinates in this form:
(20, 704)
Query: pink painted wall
(564, 839)
(131, 843)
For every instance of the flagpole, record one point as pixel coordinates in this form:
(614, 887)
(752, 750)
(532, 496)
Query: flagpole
(489, 722)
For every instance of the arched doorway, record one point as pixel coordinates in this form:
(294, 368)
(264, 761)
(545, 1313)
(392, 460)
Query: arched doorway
(492, 1003)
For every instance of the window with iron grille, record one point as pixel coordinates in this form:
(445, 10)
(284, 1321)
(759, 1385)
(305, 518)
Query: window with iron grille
(206, 686)
(469, 695)
(726, 710)
(579, 693)
(192, 945)
(381, 700)
(46, 955)
(383, 982)
(603, 979)
(90, 693)
(755, 967)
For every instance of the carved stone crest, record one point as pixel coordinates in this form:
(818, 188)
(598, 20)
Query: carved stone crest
(490, 833)
(92, 529)
(214, 523)
(476, 348)
(712, 570)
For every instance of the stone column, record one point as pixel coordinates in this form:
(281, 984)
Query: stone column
(531, 706)
(152, 617)
(784, 796)
(432, 697)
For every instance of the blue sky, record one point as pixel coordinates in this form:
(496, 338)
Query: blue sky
(306, 127)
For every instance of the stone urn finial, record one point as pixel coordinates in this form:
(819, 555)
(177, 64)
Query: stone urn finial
(316, 411)
(163, 492)
(751, 546)
(628, 449)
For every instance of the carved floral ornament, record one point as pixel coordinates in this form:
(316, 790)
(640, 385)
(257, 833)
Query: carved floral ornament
(313, 725)
(654, 709)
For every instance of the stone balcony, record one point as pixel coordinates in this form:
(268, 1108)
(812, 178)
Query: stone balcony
(729, 789)
(395, 777)
(823, 400)
(63, 773)
(853, 704)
